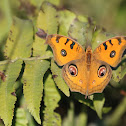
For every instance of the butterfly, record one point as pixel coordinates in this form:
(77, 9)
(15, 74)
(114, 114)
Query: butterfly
(87, 72)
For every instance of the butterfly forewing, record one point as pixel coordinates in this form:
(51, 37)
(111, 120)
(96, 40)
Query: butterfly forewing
(64, 49)
(111, 50)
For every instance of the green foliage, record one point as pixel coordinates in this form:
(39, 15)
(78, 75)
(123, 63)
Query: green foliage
(98, 102)
(65, 19)
(26, 60)
(10, 70)
(57, 73)
(48, 22)
(33, 85)
(19, 42)
(5, 19)
(21, 119)
(51, 99)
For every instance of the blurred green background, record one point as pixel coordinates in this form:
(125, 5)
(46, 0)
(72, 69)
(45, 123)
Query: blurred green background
(110, 14)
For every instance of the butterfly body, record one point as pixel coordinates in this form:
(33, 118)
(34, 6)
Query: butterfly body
(86, 72)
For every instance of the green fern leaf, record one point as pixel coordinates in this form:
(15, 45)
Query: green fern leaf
(78, 31)
(9, 73)
(21, 119)
(51, 99)
(65, 19)
(57, 73)
(33, 84)
(19, 42)
(46, 21)
(5, 19)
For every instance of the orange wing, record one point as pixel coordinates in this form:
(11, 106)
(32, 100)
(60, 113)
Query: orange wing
(64, 49)
(111, 50)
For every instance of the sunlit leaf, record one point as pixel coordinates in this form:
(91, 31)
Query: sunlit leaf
(78, 30)
(47, 21)
(33, 85)
(10, 72)
(65, 19)
(57, 76)
(19, 42)
(5, 19)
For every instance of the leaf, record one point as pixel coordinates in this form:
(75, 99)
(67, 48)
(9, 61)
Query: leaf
(100, 36)
(65, 19)
(116, 74)
(55, 2)
(40, 49)
(38, 2)
(106, 109)
(46, 21)
(21, 119)
(123, 70)
(51, 99)
(5, 19)
(51, 118)
(10, 70)
(57, 76)
(33, 85)
(78, 30)
(98, 102)
(81, 99)
(19, 42)
(82, 18)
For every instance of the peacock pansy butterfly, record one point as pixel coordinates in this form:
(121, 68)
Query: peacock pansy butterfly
(86, 72)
